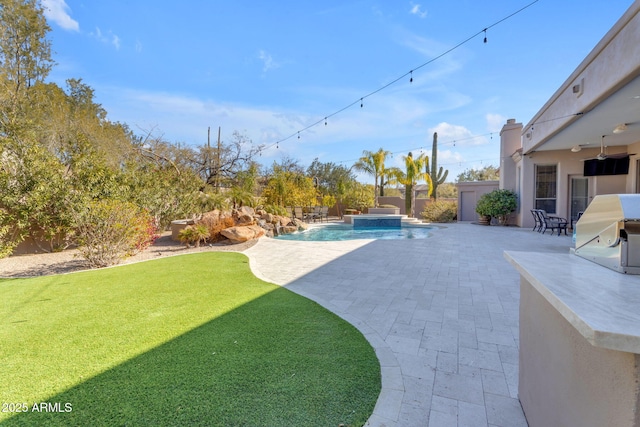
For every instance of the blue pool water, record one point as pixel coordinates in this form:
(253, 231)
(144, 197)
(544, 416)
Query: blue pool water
(334, 232)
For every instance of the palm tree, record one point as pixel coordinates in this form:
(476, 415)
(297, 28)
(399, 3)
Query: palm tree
(373, 164)
(410, 178)
(388, 176)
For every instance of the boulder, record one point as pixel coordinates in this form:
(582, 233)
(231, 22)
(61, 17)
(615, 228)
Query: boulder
(268, 217)
(245, 210)
(211, 217)
(288, 229)
(284, 221)
(245, 220)
(241, 234)
(301, 225)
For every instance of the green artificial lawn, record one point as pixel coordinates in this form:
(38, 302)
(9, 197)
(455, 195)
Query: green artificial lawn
(186, 340)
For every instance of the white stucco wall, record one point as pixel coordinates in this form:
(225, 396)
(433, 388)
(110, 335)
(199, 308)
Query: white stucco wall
(596, 77)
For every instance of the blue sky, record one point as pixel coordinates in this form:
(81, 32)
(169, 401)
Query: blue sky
(270, 69)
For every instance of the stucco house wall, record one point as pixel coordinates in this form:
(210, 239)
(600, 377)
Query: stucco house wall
(610, 66)
(468, 195)
(595, 79)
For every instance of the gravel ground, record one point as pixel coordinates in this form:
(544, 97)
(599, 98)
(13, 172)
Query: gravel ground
(70, 260)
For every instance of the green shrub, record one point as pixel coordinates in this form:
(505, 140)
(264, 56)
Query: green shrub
(497, 203)
(108, 230)
(483, 206)
(440, 211)
(194, 234)
(275, 210)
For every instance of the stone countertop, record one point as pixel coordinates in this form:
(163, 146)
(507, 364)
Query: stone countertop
(603, 305)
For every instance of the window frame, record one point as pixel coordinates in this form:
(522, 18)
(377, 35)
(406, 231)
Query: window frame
(548, 201)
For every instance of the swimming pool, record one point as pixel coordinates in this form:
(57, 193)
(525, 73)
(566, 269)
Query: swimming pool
(334, 232)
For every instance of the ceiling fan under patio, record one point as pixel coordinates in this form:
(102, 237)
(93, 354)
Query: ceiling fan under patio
(602, 155)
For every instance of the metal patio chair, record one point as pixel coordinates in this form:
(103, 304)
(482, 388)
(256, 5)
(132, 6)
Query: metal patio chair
(552, 222)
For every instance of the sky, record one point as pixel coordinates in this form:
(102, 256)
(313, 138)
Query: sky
(384, 74)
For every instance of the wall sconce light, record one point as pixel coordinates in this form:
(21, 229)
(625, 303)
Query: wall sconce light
(620, 128)
(576, 148)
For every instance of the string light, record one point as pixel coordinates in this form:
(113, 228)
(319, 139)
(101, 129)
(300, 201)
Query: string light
(410, 73)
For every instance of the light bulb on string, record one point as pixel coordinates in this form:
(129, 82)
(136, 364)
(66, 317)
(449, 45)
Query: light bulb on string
(298, 135)
(485, 35)
(411, 79)
(325, 121)
(361, 103)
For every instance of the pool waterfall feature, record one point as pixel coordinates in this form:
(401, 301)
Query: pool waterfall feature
(376, 222)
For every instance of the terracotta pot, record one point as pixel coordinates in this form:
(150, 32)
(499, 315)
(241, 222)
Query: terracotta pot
(484, 219)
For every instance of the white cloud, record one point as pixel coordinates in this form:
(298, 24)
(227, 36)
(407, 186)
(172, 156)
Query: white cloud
(430, 49)
(268, 62)
(56, 11)
(416, 9)
(456, 135)
(109, 38)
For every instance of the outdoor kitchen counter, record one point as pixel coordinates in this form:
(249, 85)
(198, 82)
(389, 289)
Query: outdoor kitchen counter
(579, 329)
(603, 305)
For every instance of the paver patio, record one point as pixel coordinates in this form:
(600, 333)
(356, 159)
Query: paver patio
(441, 313)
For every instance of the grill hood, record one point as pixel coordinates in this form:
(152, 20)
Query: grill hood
(608, 233)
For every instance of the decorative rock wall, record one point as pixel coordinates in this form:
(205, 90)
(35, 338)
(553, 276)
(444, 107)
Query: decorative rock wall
(249, 224)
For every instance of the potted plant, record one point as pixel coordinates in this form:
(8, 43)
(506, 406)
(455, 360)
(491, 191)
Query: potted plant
(483, 209)
(498, 204)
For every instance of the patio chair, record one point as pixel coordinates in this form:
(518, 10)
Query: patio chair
(290, 212)
(576, 219)
(324, 213)
(552, 222)
(298, 214)
(537, 226)
(316, 213)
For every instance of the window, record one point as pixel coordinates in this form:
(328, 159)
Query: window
(546, 183)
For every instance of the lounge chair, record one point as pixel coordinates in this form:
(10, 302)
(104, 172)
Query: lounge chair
(552, 222)
(298, 214)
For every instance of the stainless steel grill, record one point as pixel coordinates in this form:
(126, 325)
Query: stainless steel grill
(608, 233)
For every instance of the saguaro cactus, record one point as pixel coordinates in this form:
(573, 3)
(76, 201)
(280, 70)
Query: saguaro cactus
(436, 178)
